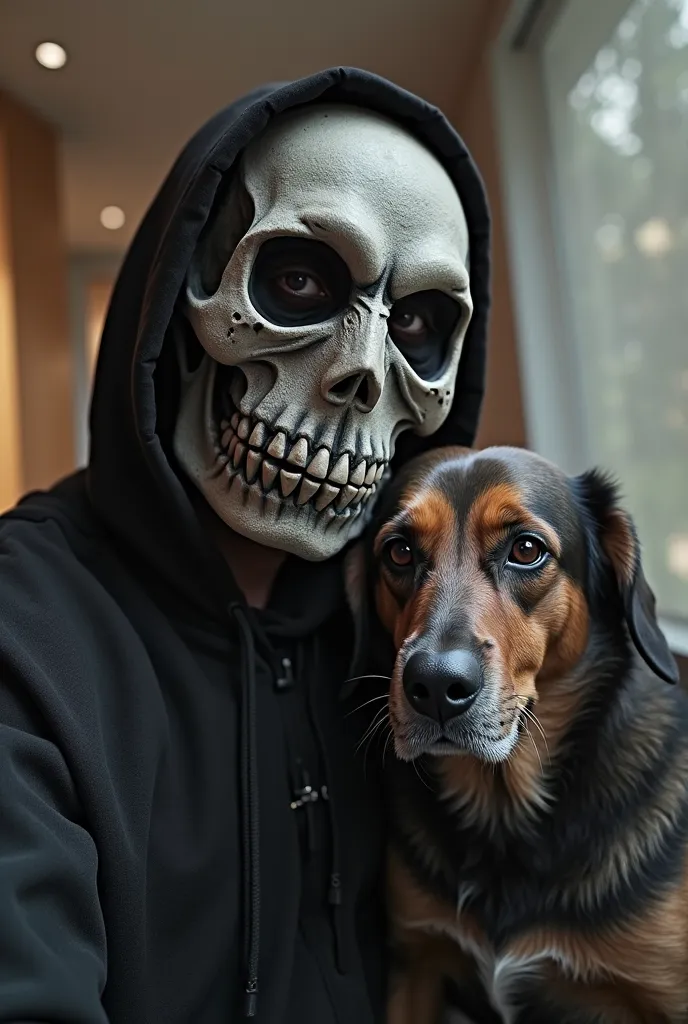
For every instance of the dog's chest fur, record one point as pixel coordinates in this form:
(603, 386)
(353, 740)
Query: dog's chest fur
(508, 974)
(533, 898)
(513, 956)
(510, 954)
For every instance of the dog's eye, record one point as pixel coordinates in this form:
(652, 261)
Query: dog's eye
(527, 552)
(398, 554)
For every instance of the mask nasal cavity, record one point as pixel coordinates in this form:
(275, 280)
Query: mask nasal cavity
(359, 389)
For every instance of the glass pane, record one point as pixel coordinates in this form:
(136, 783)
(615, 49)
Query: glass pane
(619, 127)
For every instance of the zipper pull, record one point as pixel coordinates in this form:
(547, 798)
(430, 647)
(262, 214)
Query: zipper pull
(306, 794)
(285, 681)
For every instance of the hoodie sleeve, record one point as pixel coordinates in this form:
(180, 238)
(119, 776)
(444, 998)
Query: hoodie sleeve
(52, 936)
(52, 943)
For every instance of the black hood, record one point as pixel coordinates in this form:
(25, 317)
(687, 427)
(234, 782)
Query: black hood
(132, 481)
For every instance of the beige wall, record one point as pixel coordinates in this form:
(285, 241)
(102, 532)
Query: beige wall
(35, 307)
(98, 293)
(474, 117)
(11, 477)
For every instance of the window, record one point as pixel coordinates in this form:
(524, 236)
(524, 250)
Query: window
(594, 111)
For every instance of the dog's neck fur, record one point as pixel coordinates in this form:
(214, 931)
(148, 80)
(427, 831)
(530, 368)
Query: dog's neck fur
(516, 790)
(514, 793)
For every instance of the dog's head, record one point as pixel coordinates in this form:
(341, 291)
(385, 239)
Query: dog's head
(494, 573)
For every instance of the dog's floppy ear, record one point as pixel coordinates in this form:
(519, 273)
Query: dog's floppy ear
(620, 549)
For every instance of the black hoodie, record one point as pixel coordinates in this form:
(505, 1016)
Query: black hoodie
(186, 831)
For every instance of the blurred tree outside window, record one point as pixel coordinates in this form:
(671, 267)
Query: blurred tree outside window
(617, 98)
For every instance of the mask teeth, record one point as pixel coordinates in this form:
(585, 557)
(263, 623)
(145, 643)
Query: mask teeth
(264, 458)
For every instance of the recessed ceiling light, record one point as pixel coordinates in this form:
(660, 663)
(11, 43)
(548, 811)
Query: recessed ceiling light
(51, 55)
(112, 218)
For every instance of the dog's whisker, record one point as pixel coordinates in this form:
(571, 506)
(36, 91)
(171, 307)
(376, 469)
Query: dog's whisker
(416, 769)
(384, 721)
(370, 730)
(368, 739)
(535, 747)
(537, 752)
(536, 722)
(384, 752)
(370, 675)
(381, 696)
(379, 712)
(379, 730)
(428, 775)
(373, 727)
(531, 716)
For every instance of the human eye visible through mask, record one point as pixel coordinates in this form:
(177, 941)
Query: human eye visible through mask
(297, 281)
(421, 326)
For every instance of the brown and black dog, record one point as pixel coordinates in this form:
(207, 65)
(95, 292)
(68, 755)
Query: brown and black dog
(539, 795)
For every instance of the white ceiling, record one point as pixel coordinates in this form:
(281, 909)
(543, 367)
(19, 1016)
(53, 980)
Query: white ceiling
(144, 74)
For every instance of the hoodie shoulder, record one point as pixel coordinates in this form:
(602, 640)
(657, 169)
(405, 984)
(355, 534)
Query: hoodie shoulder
(44, 544)
(55, 612)
(74, 663)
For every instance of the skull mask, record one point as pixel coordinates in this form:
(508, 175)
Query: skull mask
(331, 298)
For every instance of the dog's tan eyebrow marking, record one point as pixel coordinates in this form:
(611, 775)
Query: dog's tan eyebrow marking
(391, 527)
(428, 515)
(431, 517)
(500, 508)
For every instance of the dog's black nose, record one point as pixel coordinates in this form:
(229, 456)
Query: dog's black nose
(443, 685)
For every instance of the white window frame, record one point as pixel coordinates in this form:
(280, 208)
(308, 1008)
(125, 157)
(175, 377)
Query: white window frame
(549, 369)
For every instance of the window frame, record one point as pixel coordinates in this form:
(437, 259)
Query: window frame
(552, 388)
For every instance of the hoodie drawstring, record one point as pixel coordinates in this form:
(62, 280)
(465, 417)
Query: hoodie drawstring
(250, 810)
(335, 895)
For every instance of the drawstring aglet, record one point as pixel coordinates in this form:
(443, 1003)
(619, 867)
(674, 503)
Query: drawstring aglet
(251, 999)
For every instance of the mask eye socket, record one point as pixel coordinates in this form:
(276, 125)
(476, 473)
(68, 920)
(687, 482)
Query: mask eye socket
(398, 555)
(421, 326)
(527, 552)
(297, 281)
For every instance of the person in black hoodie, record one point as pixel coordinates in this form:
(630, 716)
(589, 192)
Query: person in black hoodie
(187, 834)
